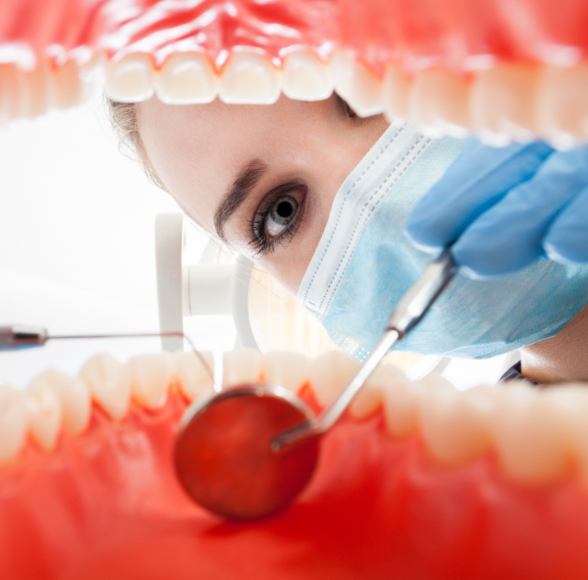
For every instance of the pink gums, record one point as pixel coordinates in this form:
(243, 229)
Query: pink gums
(455, 34)
(107, 505)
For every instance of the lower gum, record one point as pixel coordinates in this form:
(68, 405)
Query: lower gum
(378, 507)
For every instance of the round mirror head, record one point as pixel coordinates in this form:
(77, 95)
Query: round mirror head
(223, 455)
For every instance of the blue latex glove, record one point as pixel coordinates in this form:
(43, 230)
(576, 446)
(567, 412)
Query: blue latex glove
(503, 208)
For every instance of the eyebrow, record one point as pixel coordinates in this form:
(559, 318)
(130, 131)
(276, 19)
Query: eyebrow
(241, 187)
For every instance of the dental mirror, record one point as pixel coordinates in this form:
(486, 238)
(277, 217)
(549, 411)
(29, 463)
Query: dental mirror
(249, 451)
(224, 457)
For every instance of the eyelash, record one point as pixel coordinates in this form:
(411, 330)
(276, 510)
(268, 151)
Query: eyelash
(259, 242)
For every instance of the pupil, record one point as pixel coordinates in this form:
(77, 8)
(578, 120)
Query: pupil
(281, 214)
(284, 209)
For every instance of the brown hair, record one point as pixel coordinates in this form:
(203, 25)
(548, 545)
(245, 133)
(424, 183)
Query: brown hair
(123, 117)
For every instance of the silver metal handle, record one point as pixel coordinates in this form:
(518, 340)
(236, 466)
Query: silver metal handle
(334, 412)
(423, 293)
(409, 311)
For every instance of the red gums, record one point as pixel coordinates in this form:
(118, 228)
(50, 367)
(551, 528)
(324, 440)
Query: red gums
(107, 505)
(453, 34)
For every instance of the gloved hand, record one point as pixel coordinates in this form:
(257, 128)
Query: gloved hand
(503, 208)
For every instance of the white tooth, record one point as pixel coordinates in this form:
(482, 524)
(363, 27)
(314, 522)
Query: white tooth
(432, 381)
(330, 373)
(186, 78)
(359, 86)
(502, 100)
(13, 423)
(66, 85)
(249, 79)
(44, 409)
(74, 398)
(401, 403)
(286, 369)
(35, 97)
(92, 73)
(109, 385)
(438, 99)
(456, 426)
(371, 396)
(6, 90)
(562, 106)
(241, 367)
(10, 91)
(194, 379)
(130, 79)
(572, 401)
(531, 436)
(396, 88)
(306, 77)
(151, 376)
(391, 387)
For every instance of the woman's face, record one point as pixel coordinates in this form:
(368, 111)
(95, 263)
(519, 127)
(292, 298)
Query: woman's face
(262, 178)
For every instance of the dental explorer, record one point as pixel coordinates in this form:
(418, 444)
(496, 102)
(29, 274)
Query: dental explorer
(21, 336)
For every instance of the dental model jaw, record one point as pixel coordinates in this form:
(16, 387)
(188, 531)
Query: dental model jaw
(412, 470)
(449, 70)
(419, 481)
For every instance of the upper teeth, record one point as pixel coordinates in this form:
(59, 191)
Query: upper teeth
(501, 102)
(130, 79)
(306, 77)
(250, 79)
(186, 78)
(358, 85)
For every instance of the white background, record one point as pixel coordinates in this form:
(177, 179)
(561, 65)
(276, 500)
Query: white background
(76, 213)
(76, 237)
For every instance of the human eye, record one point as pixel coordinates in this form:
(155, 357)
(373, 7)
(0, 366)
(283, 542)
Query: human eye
(278, 217)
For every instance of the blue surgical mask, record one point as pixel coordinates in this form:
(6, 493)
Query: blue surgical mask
(364, 264)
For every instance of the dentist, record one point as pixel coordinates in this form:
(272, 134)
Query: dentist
(321, 198)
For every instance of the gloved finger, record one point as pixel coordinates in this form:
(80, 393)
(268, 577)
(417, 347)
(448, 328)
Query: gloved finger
(509, 236)
(479, 178)
(567, 237)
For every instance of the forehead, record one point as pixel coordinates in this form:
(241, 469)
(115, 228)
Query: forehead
(191, 148)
